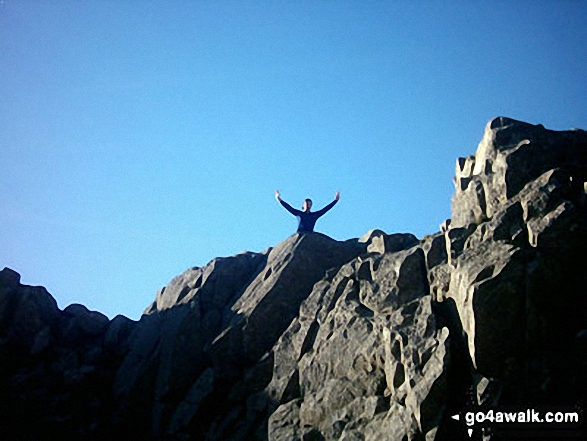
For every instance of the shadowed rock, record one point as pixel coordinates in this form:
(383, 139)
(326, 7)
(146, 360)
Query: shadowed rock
(230, 314)
(382, 337)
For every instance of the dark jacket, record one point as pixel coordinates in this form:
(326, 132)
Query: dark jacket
(306, 221)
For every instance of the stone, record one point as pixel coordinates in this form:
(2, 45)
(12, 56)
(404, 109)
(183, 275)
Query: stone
(511, 154)
(488, 286)
(284, 423)
(337, 389)
(26, 311)
(547, 232)
(228, 330)
(445, 225)
(390, 243)
(300, 335)
(89, 323)
(215, 283)
(435, 250)
(9, 278)
(368, 237)
(292, 269)
(42, 340)
(189, 406)
(393, 279)
(117, 335)
(382, 337)
(455, 240)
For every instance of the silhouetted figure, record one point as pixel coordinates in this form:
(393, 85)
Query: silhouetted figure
(306, 218)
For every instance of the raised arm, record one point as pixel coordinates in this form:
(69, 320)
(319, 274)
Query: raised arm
(329, 206)
(288, 207)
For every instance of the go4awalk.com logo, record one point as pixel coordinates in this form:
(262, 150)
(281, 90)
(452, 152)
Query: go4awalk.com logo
(542, 423)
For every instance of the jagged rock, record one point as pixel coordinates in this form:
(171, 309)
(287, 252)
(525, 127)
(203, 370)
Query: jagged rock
(300, 335)
(444, 226)
(172, 347)
(368, 237)
(510, 155)
(215, 284)
(389, 243)
(382, 337)
(436, 257)
(341, 359)
(435, 250)
(42, 341)
(9, 279)
(455, 240)
(292, 269)
(284, 423)
(488, 285)
(189, 406)
(54, 369)
(91, 323)
(167, 348)
(117, 335)
(392, 280)
(27, 313)
(500, 276)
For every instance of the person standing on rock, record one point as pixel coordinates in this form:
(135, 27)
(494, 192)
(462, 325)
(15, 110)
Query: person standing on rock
(307, 218)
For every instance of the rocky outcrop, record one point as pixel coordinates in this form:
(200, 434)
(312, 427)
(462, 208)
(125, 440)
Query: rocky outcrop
(382, 337)
(511, 155)
(200, 359)
(350, 367)
(57, 367)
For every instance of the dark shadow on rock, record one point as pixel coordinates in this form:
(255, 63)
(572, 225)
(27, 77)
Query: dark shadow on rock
(459, 392)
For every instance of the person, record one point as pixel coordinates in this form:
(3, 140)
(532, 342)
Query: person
(306, 218)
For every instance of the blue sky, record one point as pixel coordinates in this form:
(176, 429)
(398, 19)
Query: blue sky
(139, 139)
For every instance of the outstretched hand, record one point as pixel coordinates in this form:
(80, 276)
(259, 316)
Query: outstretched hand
(337, 196)
(277, 195)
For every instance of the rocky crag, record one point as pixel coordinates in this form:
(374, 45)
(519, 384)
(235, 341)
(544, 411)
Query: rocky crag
(379, 338)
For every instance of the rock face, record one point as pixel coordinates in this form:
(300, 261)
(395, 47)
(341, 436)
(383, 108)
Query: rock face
(201, 359)
(511, 155)
(382, 337)
(57, 367)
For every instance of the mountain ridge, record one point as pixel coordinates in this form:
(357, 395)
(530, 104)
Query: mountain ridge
(384, 336)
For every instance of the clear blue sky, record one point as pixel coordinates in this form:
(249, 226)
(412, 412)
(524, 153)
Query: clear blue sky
(138, 139)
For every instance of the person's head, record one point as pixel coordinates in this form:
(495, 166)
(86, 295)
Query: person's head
(307, 204)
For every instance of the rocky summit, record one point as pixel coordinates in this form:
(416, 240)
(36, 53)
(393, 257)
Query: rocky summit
(385, 337)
